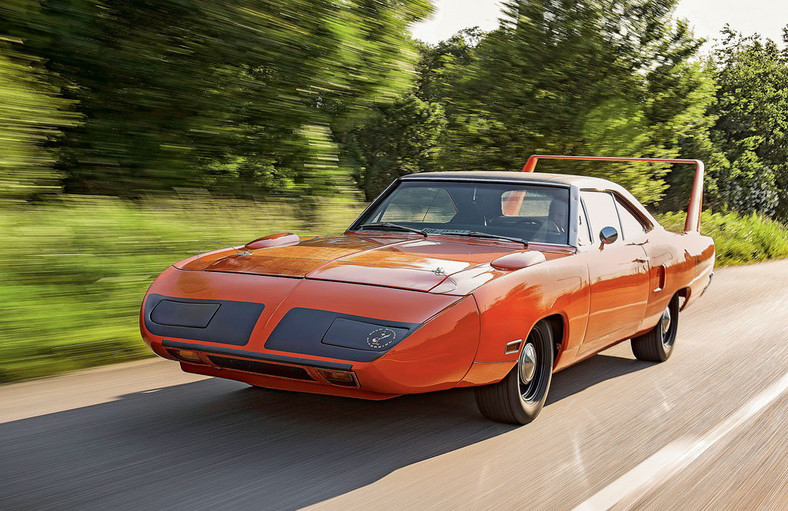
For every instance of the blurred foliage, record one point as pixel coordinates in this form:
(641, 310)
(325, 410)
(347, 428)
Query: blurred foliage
(228, 94)
(302, 97)
(75, 270)
(31, 117)
(739, 239)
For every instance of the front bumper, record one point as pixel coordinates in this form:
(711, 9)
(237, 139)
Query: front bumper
(435, 353)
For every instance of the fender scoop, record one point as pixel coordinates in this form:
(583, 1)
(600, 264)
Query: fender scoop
(518, 261)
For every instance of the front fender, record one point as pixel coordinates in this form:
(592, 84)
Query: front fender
(510, 306)
(435, 357)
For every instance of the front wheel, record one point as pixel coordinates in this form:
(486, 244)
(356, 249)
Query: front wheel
(656, 345)
(520, 396)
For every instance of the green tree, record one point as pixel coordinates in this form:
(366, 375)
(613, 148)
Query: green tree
(752, 124)
(439, 63)
(402, 138)
(578, 77)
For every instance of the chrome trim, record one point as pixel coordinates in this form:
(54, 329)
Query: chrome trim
(373, 204)
(263, 357)
(528, 363)
(537, 182)
(513, 347)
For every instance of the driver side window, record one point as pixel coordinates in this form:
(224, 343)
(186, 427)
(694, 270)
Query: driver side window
(601, 212)
(583, 229)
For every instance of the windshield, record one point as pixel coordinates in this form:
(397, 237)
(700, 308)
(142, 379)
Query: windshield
(532, 213)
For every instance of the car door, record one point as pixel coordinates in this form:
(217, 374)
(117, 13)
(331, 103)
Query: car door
(638, 230)
(618, 276)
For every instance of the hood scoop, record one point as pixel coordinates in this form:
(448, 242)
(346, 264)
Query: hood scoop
(273, 240)
(440, 264)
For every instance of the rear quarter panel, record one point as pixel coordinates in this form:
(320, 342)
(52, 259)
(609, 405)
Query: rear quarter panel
(687, 260)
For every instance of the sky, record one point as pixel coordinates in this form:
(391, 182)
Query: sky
(767, 17)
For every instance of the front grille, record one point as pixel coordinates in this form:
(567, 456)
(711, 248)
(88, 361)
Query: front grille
(251, 366)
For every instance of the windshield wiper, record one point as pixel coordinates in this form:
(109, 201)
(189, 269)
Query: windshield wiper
(390, 225)
(477, 234)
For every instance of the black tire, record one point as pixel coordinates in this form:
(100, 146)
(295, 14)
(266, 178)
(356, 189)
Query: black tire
(657, 344)
(514, 400)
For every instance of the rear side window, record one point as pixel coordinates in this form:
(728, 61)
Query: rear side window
(601, 211)
(632, 226)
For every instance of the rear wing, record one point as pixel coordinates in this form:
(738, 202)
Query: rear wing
(696, 196)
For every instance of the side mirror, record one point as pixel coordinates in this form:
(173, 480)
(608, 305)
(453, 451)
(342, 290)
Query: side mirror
(608, 235)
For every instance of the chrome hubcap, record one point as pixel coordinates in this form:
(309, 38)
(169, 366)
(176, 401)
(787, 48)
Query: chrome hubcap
(528, 363)
(665, 324)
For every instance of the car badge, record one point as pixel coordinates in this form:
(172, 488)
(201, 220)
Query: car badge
(381, 337)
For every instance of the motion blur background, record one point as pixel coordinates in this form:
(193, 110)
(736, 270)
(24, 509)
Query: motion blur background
(136, 133)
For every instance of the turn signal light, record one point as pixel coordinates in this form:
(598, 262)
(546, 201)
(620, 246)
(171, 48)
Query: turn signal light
(187, 356)
(343, 378)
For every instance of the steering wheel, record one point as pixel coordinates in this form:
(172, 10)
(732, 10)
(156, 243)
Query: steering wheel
(553, 228)
(552, 232)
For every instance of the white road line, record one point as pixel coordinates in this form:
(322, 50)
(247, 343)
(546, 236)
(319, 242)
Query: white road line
(675, 456)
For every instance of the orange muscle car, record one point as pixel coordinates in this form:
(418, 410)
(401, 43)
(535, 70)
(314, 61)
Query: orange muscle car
(492, 280)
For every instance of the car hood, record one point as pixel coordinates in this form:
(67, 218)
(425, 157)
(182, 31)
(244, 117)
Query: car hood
(419, 264)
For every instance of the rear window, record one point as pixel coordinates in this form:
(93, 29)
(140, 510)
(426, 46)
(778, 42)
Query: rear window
(632, 226)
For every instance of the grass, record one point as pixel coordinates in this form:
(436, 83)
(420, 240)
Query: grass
(738, 239)
(74, 272)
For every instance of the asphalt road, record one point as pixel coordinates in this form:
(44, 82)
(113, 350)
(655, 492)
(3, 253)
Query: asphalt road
(705, 430)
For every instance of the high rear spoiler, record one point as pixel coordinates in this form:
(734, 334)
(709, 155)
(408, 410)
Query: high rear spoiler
(696, 197)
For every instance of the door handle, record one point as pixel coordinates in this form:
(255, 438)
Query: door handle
(641, 260)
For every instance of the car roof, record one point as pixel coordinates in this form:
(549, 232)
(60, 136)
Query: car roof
(528, 177)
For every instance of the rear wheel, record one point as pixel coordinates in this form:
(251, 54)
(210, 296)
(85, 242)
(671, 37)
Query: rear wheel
(520, 396)
(657, 344)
